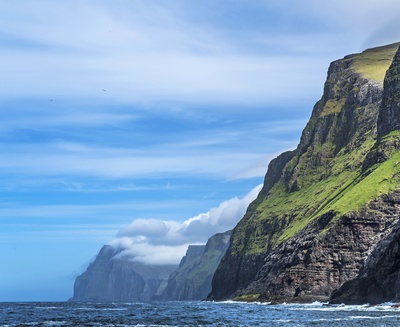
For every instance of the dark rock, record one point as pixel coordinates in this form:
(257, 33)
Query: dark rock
(388, 119)
(379, 278)
(389, 115)
(313, 226)
(313, 263)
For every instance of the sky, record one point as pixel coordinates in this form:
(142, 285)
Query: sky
(151, 123)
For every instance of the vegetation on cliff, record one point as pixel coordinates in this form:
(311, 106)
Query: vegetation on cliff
(326, 176)
(336, 171)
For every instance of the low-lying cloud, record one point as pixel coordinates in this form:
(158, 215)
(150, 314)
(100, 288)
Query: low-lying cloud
(154, 241)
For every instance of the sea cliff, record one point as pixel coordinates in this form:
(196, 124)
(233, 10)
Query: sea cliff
(327, 205)
(114, 277)
(192, 280)
(111, 278)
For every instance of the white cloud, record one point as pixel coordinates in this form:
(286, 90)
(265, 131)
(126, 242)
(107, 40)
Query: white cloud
(387, 32)
(371, 22)
(118, 212)
(30, 119)
(140, 251)
(33, 232)
(77, 159)
(152, 51)
(158, 242)
(140, 53)
(138, 78)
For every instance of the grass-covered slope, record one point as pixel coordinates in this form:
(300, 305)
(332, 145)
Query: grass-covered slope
(373, 63)
(325, 174)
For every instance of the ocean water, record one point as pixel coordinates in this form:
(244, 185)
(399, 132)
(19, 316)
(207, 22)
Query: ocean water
(194, 314)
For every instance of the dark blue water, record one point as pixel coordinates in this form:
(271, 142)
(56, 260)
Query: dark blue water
(194, 314)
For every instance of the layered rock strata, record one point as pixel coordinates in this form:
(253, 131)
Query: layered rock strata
(379, 278)
(326, 205)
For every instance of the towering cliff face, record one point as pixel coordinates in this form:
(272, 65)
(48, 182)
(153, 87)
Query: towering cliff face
(379, 278)
(192, 280)
(325, 205)
(110, 278)
(389, 116)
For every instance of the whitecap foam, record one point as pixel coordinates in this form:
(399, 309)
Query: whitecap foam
(54, 323)
(114, 309)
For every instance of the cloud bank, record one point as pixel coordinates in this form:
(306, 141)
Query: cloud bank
(171, 51)
(154, 241)
(143, 51)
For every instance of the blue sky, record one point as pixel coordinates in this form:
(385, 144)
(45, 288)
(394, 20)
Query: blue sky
(151, 122)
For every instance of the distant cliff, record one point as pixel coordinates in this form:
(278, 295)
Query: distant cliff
(192, 280)
(331, 206)
(326, 224)
(113, 278)
(110, 278)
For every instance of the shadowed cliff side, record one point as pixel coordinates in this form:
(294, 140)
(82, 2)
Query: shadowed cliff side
(325, 205)
(112, 277)
(192, 280)
(379, 278)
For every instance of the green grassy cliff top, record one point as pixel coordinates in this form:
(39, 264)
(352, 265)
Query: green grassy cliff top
(373, 63)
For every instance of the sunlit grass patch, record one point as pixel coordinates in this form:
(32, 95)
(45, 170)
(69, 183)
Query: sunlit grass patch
(373, 63)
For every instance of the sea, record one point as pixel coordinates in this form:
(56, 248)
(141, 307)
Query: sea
(195, 314)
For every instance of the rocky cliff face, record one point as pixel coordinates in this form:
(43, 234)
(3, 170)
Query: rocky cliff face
(379, 278)
(389, 118)
(192, 280)
(110, 278)
(114, 278)
(326, 205)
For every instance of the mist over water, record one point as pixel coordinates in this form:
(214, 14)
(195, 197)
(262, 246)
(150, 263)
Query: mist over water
(194, 314)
